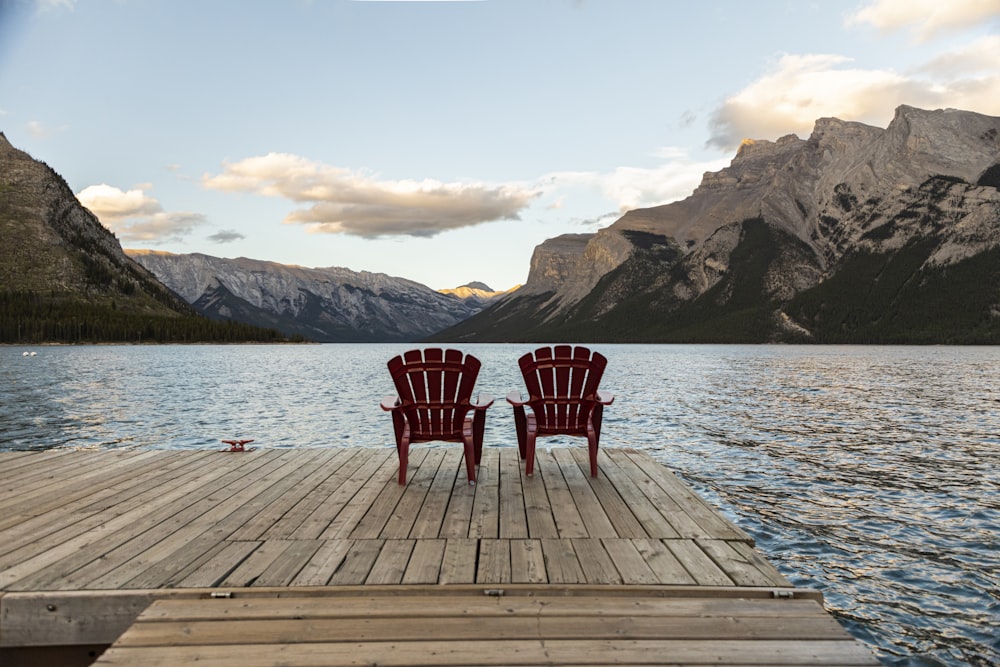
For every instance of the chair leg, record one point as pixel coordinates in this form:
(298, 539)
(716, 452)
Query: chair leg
(404, 461)
(403, 449)
(478, 427)
(520, 428)
(530, 436)
(593, 441)
(470, 458)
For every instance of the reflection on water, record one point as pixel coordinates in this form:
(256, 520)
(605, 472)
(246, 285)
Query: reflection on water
(869, 473)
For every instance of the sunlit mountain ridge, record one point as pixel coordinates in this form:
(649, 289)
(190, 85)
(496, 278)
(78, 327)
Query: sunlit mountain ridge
(857, 234)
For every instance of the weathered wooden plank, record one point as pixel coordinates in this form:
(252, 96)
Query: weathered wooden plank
(351, 479)
(313, 495)
(733, 564)
(630, 563)
(283, 570)
(49, 566)
(324, 562)
(404, 515)
(73, 471)
(627, 485)
(744, 566)
(63, 618)
(485, 518)
(459, 563)
(205, 523)
(527, 562)
(432, 513)
(561, 564)
(513, 522)
(247, 571)
(712, 521)
(198, 541)
(681, 523)
(59, 520)
(458, 516)
(605, 489)
(522, 651)
(99, 480)
(130, 551)
(594, 515)
(537, 507)
(181, 564)
(494, 562)
(425, 562)
(453, 628)
(376, 513)
(272, 503)
(213, 571)
(595, 561)
(68, 618)
(698, 564)
(390, 565)
(666, 568)
(567, 517)
(357, 563)
(391, 602)
(15, 463)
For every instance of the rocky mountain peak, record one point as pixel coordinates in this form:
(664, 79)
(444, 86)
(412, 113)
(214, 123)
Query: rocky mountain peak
(786, 217)
(52, 244)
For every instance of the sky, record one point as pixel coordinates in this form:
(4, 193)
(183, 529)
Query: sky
(443, 140)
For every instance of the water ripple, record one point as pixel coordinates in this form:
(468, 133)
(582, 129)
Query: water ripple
(871, 474)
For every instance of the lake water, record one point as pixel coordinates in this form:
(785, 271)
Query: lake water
(870, 473)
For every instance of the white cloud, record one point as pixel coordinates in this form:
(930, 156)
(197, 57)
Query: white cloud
(343, 201)
(111, 204)
(135, 216)
(801, 88)
(39, 130)
(159, 226)
(637, 187)
(925, 19)
(981, 57)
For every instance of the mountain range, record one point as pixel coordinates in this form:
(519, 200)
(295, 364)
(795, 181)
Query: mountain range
(326, 305)
(857, 234)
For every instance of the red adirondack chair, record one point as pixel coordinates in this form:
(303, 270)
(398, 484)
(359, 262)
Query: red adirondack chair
(563, 397)
(434, 402)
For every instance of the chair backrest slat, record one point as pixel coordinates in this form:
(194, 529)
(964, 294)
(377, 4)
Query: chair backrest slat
(562, 385)
(435, 387)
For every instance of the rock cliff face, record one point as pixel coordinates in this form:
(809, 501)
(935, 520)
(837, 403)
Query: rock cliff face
(325, 305)
(777, 229)
(57, 251)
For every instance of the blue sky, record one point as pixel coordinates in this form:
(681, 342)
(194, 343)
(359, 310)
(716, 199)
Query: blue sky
(441, 141)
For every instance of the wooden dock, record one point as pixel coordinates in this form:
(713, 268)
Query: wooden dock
(318, 557)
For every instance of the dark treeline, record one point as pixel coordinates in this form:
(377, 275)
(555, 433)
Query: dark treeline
(29, 317)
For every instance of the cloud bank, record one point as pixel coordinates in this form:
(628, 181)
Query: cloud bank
(637, 187)
(799, 88)
(342, 201)
(135, 216)
(925, 19)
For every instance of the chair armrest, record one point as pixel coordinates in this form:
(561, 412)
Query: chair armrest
(514, 398)
(482, 402)
(605, 397)
(390, 403)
